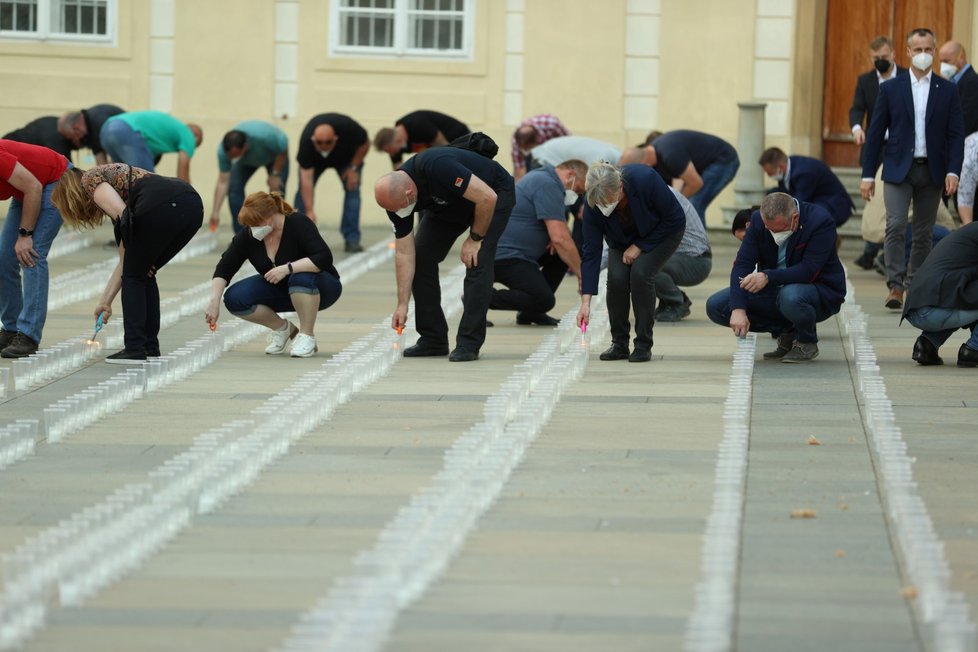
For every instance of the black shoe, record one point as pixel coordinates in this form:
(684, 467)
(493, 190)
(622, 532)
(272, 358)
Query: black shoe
(540, 319)
(615, 352)
(967, 356)
(425, 351)
(925, 353)
(20, 346)
(865, 261)
(640, 355)
(785, 341)
(463, 355)
(6, 337)
(879, 264)
(153, 352)
(489, 324)
(125, 356)
(352, 247)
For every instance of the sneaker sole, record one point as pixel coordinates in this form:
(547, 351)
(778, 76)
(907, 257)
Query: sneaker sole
(126, 361)
(798, 360)
(305, 355)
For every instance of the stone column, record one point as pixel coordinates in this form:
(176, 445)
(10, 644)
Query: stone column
(749, 182)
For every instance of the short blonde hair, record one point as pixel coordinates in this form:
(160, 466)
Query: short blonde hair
(76, 206)
(261, 205)
(602, 184)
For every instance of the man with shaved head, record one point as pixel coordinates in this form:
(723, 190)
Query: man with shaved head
(453, 190)
(955, 66)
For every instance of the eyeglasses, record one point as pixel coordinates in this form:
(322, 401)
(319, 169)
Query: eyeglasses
(324, 143)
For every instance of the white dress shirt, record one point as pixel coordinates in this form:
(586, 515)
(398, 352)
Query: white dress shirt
(921, 91)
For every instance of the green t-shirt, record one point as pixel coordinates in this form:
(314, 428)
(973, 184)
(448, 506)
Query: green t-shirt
(162, 132)
(265, 142)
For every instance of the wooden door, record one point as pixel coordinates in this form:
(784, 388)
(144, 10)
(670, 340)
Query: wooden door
(851, 27)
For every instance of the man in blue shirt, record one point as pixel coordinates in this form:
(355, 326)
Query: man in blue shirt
(536, 249)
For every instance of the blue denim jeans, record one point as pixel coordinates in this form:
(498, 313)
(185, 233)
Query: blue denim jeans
(939, 324)
(245, 296)
(774, 310)
(350, 221)
(240, 174)
(715, 179)
(24, 308)
(126, 145)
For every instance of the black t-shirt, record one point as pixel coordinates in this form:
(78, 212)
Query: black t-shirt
(675, 150)
(300, 239)
(94, 118)
(350, 137)
(422, 128)
(442, 175)
(43, 132)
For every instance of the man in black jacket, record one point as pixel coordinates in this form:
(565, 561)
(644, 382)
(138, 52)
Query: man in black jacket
(944, 298)
(955, 66)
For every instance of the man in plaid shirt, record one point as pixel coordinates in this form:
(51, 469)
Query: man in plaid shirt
(533, 131)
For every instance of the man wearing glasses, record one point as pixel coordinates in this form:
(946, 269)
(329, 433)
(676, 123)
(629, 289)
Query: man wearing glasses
(333, 140)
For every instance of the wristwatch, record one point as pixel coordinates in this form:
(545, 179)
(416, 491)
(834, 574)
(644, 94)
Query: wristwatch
(475, 236)
(25, 232)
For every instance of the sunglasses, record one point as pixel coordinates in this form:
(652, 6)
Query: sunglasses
(324, 143)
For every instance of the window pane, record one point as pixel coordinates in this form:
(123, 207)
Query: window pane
(78, 16)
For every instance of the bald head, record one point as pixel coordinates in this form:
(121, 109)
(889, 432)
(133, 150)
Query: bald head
(642, 155)
(953, 53)
(395, 191)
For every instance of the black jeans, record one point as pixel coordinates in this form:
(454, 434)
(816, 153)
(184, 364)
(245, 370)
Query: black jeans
(635, 285)
(530, 286)
(158, 235)
(434, 238)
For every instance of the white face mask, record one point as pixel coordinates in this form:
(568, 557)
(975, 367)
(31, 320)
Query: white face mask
(324, 154)
(259, 232)
(923, 61)
(235, 160)
(570, 197)
(607, 209)
(948, 70)
(406, 211)
(781, 237)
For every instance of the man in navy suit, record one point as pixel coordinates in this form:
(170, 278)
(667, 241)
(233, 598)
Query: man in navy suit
(922, 158)
(808, 179)
(955, 66)
(799, 280)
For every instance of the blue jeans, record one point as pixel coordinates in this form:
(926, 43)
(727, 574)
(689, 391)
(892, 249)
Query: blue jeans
(939, 324)
(240, 174)
(24, 308)
(774, 310)
(715, 179)
(242, 298)
(126, 145)
(350, 222)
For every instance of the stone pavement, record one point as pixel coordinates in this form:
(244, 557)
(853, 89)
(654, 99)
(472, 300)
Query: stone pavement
(594, 542)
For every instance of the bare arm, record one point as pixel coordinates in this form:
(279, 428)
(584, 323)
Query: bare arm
(213, 310)
(692, 181)
(183, 167)
(220, 193)
(561, 238)
(275, 176)
(966, 213)
(404, 261)
(27, 183)
(112, 287)
(484, 198)
(109, 200)
(306, 183)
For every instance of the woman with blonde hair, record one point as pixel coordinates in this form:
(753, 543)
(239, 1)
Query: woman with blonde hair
(295, 272)
(633, 209)
(154, 217)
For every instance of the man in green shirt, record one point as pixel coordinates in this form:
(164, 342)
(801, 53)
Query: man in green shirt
(140, 137)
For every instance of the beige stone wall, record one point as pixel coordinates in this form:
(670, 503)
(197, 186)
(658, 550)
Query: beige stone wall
(612, 69)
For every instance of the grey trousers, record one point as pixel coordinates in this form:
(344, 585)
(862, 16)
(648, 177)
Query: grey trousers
(920, 188)
(683, 270)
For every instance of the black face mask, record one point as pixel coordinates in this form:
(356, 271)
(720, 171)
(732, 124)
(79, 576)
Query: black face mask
(882, 65)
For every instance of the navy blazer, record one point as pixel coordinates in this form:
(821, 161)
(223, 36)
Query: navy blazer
(811, 258)
(654, 209)
(968, 92)
(944, 131)
(813, 181)
(864, 101)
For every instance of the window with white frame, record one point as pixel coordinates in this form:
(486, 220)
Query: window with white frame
(72, 20)
(402, 28)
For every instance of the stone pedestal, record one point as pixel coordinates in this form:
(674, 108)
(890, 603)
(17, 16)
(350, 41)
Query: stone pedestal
(749, 182)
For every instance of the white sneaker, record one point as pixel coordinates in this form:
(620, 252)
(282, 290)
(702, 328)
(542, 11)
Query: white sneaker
(304, 346)
(277, 340)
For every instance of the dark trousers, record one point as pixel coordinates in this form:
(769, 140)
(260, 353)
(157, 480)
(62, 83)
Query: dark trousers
(434, 238)
(158, 235)
(634, 286)
(774, 310)
(530, 286)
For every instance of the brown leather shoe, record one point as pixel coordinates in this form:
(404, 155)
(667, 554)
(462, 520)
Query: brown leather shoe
(894, 300)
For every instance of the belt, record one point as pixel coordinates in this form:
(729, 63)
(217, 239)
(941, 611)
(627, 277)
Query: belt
(920, 160)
